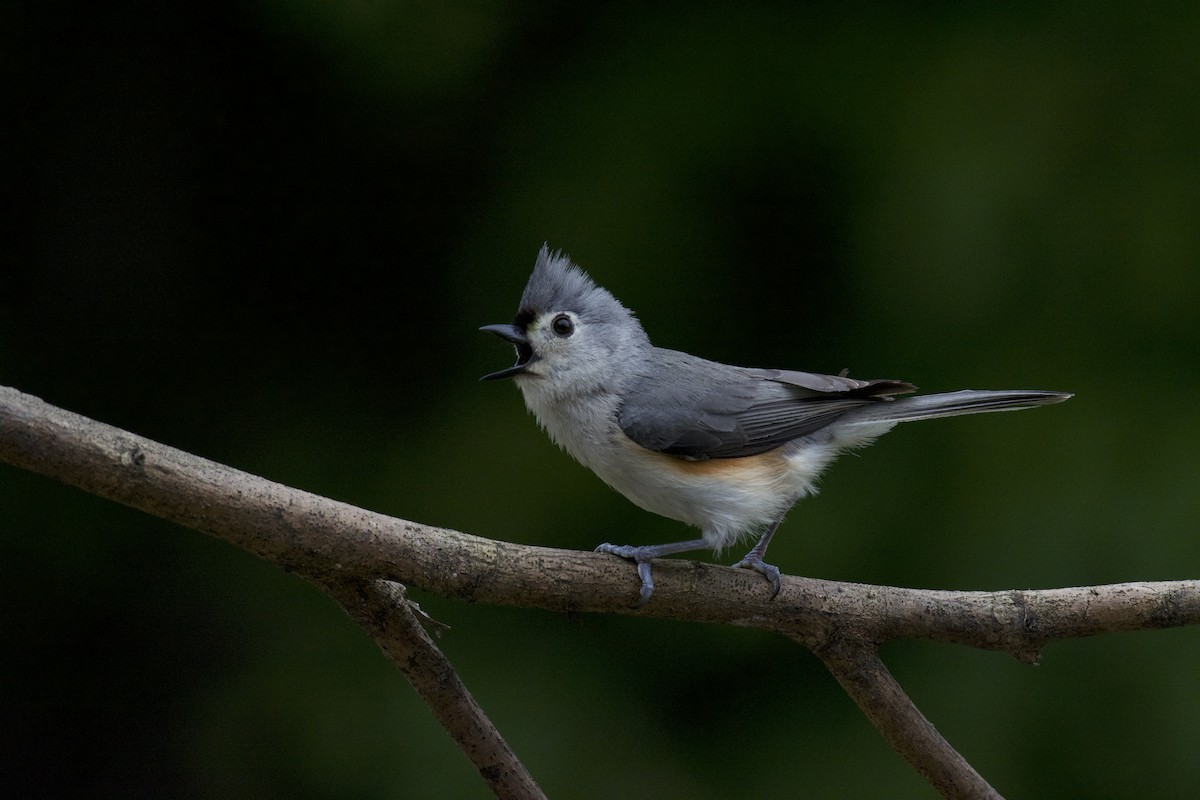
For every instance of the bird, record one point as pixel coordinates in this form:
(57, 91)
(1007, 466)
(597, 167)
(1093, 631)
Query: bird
(725, 449)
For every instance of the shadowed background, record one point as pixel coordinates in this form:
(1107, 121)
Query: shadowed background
(266, 234)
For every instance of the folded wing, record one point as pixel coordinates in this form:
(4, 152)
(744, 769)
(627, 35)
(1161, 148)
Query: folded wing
(699, 409)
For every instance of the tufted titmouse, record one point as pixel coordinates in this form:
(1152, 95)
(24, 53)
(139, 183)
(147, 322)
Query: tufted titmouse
(726, 449)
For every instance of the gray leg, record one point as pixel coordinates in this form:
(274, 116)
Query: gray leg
(642, 555)
(754, 559)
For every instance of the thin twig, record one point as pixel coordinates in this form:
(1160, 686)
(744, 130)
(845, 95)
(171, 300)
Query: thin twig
(383, 610)
(857, 667)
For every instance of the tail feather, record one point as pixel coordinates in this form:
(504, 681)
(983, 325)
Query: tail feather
(952, 404)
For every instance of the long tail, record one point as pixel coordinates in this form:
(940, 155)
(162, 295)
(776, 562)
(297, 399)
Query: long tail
(952, 404)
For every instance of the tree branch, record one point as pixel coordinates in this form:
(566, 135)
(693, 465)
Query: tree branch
(859, 670)
(337, 546)
(388, 616)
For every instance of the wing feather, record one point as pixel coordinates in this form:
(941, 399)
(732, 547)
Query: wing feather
(698, 409)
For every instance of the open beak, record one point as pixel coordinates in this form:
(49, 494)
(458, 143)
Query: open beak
(511, 333)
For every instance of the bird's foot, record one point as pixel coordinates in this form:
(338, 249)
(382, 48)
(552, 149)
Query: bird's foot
(769, 571)
(641, 556)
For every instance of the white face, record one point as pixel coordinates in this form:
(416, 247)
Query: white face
(572, 381)
(564, 351)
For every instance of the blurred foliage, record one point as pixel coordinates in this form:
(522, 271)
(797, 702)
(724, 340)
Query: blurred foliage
(266, 233)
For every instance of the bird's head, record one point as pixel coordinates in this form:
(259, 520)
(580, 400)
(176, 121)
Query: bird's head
(570, 335)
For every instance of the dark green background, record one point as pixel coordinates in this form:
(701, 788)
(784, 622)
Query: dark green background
(267, 232)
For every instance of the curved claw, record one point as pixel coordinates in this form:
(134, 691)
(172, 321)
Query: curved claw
(647, 590)
(641, 556)
(768, 571)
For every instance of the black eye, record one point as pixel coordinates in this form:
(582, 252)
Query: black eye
(562, 325)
